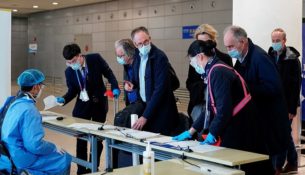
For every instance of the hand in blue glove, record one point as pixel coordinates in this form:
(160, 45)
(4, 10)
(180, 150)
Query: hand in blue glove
(60, 100)
(132, 96)
(116, 93)
(210, 140)
(183, 136)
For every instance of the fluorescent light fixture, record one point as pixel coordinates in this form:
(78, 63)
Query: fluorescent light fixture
(15, 10)
(35, 6)
(55, 3)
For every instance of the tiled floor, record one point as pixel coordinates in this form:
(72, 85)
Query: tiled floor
(69, 143)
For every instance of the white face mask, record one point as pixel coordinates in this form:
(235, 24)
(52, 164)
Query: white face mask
(39, 93)
(144, 50)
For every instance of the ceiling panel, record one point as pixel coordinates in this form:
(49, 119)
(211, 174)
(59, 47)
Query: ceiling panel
(25, 7)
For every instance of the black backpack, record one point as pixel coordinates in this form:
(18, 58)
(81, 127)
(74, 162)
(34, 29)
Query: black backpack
(122, 118)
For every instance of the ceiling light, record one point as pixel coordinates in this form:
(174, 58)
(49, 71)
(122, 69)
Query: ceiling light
(35, 6)
(15, 10)
(55, 3)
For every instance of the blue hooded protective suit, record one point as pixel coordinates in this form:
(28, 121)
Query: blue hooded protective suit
(22, 133)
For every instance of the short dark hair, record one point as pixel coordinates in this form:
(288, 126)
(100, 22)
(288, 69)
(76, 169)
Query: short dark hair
(70, 51)
(199, 46)
(139, 29)
(26, 88)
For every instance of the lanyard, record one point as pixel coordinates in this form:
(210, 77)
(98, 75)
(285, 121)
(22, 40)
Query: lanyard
(84, 75)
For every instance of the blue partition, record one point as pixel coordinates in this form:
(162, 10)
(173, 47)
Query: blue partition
(303, 70)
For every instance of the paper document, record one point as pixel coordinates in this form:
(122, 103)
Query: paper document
(133, 133)
(184, 144)
(205, 148)
(50, 102)
(90, 126)
(162, 139)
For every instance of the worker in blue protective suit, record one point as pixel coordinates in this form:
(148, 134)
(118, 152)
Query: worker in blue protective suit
(22, 132)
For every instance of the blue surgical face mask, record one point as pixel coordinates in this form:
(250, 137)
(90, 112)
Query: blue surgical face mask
(75, 66)
(199, 69)
(120, 60)
(194, 63)
(235, 54)
(277, 46)
(144, 50)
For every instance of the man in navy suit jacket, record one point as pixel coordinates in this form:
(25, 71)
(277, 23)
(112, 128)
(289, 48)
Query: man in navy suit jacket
(84, 78)
(152, 81)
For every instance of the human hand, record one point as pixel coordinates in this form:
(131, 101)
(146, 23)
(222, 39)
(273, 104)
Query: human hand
(139, 124)
(60, 100)
(209, 140)
(128, 86)
(116, 93)
(183, 136)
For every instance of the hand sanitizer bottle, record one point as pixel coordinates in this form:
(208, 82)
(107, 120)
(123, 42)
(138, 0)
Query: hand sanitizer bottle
(148, 161)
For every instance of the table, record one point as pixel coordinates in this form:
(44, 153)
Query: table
(61, 126)
(224, 156)
(177, 167)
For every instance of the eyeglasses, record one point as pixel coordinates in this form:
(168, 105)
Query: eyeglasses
(145, 43)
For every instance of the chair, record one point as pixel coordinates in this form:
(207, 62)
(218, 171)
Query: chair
(4, 152)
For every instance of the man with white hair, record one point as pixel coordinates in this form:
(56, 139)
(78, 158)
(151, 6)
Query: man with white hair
(263, 80)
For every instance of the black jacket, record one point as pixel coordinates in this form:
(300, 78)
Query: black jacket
(195, 85)
(267, 92)
(97, 106)
(289, 67)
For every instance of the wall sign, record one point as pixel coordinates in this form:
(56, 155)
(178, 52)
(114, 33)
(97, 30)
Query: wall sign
(33, 48)
(188, 31)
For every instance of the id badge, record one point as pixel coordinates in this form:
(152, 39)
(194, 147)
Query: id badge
(84, 95)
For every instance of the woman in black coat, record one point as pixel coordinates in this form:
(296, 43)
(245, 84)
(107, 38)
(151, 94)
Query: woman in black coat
(194, 82)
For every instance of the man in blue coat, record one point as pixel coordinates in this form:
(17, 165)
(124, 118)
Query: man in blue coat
(264, 82)
(151, 80)
(22, 132)
(84, 78)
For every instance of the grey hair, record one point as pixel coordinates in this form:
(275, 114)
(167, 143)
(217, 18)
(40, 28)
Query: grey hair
(127, 46)
(238, 32)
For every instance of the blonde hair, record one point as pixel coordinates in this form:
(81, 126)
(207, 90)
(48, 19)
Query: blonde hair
(206, 29)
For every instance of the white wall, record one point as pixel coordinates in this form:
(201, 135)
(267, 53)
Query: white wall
(260, 17)
(5, 54)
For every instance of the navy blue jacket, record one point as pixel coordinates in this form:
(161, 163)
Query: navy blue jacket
(195, 85)
(266, 89)
(97, 106)
(161, 110)
(239, 131)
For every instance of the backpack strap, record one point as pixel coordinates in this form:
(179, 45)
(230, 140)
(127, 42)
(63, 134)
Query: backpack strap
(242, 103)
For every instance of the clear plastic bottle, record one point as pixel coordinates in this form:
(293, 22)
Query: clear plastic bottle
(148, 161)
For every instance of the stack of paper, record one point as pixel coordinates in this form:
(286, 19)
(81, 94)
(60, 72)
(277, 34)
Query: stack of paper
(89, 126)
(133, 133)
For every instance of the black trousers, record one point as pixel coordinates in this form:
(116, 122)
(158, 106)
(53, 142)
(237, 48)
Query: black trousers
(96, 111)
(81, 152)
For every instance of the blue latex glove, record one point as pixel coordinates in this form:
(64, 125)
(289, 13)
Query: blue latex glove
(183, 136)
(132, 96)
(210, 140)
(60, 100)
(116, 93)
